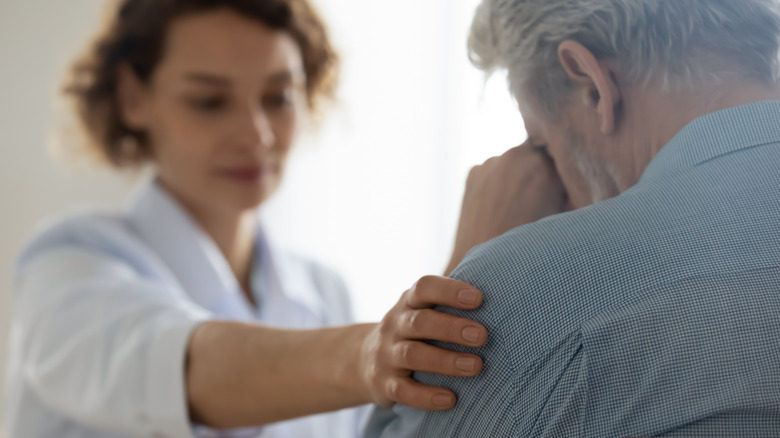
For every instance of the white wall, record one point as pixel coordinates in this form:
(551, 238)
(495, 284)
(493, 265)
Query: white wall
(378, 193)
(37, 38)
(375, 195)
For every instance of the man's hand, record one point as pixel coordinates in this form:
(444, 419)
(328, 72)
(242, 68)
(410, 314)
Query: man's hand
(395, 348)
(517, 188)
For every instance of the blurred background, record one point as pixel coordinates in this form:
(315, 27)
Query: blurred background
(374, 193)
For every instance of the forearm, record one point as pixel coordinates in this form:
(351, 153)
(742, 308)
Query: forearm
(242, 375)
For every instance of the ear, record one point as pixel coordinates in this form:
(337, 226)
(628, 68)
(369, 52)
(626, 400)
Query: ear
(594, 79)
(132, 98)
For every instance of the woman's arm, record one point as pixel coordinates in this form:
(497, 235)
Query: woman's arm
(335, 368)
(244, 375)
(107, 349)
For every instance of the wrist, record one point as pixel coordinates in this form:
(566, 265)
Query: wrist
(356, 361)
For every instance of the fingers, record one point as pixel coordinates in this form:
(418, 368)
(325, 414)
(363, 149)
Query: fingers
(428, 324)
(530, 157)
(419, 356)
(432, 291)
(525, 148)
(396, 350)
(407, 392)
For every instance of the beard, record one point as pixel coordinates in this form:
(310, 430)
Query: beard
(600, 177)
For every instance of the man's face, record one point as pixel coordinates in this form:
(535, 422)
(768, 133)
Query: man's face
(580, 152)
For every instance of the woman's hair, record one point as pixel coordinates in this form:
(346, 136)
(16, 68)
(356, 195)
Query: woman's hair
(679, 43)
(135, 36)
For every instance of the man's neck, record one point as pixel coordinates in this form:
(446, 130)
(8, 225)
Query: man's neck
(666, 114)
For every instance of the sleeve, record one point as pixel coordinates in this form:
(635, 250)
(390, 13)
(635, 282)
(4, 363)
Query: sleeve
(485, 408)
(104, 346)
(497, 403)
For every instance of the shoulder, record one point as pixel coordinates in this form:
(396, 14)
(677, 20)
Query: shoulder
(106, 233)
(542, 281)
(566, 245)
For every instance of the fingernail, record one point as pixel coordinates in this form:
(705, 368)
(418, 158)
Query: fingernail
(443, 400)
(468, 297)
(466, 364)
(471, 334)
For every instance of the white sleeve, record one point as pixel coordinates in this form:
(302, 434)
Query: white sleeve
(104, 346)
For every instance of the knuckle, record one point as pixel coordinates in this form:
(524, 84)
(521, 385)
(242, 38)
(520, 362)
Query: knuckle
(403, 301)
(424, 284)
(410, 297)
(386, 327)
(474, 172)
(489, 163)
(393, 389)
(406, 353)
(516, 151)
(415, 321)
(407, 294)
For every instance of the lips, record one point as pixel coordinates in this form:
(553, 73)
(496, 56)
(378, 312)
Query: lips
(248, 174)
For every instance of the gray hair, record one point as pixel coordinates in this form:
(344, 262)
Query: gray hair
(680, 43)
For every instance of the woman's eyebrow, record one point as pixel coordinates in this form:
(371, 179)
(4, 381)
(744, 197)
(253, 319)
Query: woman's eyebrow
(207, 78)
(285, 76)
(279, 78)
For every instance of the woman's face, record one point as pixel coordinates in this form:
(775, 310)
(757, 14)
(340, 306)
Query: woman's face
(221, 110)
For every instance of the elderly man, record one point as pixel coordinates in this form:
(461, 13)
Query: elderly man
(652, 307)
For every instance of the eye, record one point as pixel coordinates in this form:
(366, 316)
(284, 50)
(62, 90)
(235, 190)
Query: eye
(207, 104)
(279, 100)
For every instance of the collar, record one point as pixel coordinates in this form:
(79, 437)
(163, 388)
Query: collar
(204, 273)
(187, 251)
(282, 280)
(717, 134)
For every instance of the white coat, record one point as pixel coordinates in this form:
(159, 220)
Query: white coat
(105, 304)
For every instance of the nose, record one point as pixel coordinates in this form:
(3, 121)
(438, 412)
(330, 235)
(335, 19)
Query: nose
(256, 129)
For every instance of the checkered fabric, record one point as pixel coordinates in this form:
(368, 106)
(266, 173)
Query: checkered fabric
(656, 313)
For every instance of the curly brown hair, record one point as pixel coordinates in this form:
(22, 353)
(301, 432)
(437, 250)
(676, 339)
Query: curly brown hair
(135, 36)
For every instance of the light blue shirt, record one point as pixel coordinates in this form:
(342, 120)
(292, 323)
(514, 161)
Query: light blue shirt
(654, 313)
(105, 304)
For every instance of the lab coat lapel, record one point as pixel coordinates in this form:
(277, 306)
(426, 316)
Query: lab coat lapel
(288, 292)
(189, 253)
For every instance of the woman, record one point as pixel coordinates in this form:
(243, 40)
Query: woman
(147, 323)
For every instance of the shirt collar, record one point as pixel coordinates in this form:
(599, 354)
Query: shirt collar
(717, 134)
